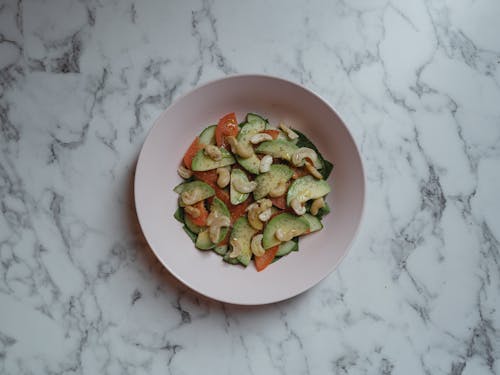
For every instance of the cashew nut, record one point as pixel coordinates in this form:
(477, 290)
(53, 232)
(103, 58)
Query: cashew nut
(245, 151)
(235, 244)
(278, 190)
(289, 132)
(223, 177)
(213, 152)
(299, 156)
(316, 205)
(265, 215)
(260, 137)
(298, 207)
(184, 172)
(215, 227)
(313, 171)
(265, 163)
(191, 197)
(256, 245)
(256, 209)
(243, 186)
(192, 211)
(253, 218)
(265, 203)
(283, 236)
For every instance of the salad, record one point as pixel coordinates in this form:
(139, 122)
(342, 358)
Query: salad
(251, 190)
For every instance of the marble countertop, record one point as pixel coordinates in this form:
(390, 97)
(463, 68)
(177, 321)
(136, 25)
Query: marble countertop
(418, 83)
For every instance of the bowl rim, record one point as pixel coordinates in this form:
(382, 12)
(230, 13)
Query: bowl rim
(250, 76)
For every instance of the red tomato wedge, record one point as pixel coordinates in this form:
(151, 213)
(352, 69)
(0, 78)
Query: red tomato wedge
(239, 209)
(202, 219)
(272, 132)
(266, 259)
(279, 202)
(191, 152)
(228, 125)
(209, 177)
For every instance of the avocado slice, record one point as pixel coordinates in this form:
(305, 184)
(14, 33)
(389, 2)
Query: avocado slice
(267, 181)
(243, 233)
(286, 222)
(202, 162)
(306, 188)
(277, 148)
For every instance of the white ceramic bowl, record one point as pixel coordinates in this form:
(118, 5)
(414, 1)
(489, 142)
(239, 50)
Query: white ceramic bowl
(156, 175)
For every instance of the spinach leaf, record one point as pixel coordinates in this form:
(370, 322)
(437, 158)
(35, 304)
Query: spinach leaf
(303, 141)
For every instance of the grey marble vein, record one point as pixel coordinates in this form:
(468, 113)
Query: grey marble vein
(81, 83)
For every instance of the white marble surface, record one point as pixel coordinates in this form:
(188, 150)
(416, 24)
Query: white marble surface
(81, 82)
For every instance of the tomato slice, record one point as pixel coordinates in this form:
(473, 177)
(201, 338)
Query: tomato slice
(202, 219)
(209, 177)
(299, 172)
(272, 132)
(228, 125)
(191, 152)
(239, 210)
(279, 202)
(266, 259)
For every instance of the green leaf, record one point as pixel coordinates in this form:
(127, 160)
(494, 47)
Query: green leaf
(323, 211)
(191, 234)
(303, 141)
(179, 215)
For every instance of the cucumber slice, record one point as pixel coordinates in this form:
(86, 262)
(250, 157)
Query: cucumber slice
(277, 148)
(287, 247)
(286, 222)
(235, 196)
(221, 209)
(306, 188)
(207, 136)
(221, 250)
(248, 130)
(203, 241)
(230, 260)
(251, 164)
(314, 223)
(243, 233)
(252, 117)
(205, 190)
(267, 181)
(202, 162)
(191, 226)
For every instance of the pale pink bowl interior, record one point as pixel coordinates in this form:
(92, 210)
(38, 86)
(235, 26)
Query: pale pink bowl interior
(277, 100)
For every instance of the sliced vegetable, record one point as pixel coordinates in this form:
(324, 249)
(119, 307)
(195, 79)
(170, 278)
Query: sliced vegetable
(228, 125)
(203, 241)
(272, 132)
(241, 235)
(200, 220)
(207, 136)
(265, 260)
(306, 188)
(191, 152)
(202, 162)
(277, 149)
(288, 224)
(278, 173)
